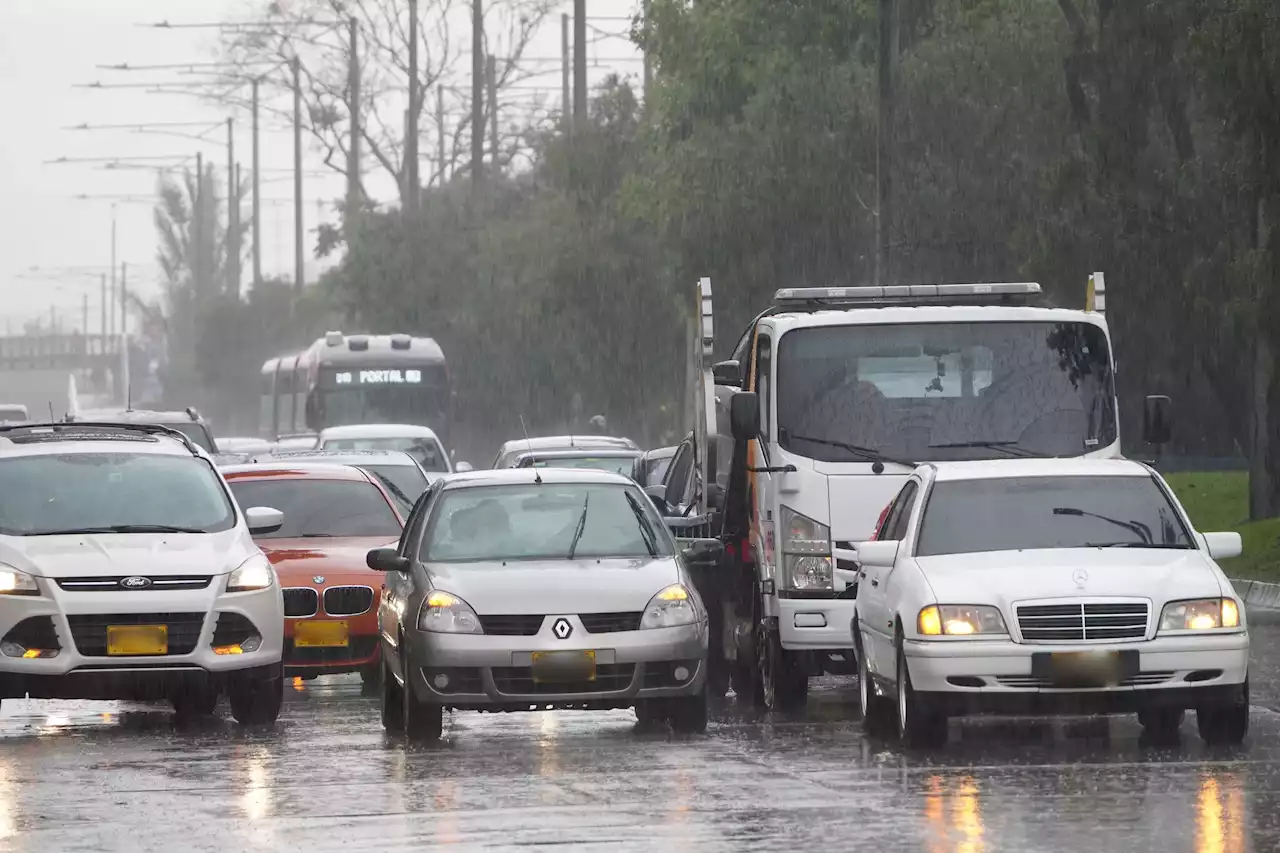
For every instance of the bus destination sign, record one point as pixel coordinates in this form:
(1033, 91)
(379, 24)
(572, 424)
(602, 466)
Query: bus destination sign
(391, 376)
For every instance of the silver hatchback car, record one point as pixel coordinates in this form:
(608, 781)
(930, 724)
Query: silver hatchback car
(535, 589)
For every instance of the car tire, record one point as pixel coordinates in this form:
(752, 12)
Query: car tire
(257, 702)
(919, 726)
(877, 710)
(422, 720)
(1225, 724)
(784, 686)
(392, 705)
(650, 712)
(199, 701)
(688, 714)
(1161, 724)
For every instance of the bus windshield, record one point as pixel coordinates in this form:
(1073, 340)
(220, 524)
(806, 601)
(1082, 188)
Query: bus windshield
(424, 402)
(945, 391)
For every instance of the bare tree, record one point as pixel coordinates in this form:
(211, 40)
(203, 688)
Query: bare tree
(315, 32)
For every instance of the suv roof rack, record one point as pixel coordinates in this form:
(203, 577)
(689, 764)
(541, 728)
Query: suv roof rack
(1000, 293)
(81, 430)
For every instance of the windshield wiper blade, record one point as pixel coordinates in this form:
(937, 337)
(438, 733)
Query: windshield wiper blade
(122, 528)
(650, 538)
(1010, 447)
(317, 536)
(582, 525)
(867, 453)
(1136, 527)
(1166, 546)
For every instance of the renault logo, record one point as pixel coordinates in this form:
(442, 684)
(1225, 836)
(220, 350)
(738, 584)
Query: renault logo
(318, 579)
(562, 629)
(1081, 577)
(135, 582)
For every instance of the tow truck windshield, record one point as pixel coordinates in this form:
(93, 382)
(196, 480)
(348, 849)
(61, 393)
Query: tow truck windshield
(945, 391)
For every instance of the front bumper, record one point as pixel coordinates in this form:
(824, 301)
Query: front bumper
(816, 623)
(495, 672)
(995, 676)
(82, 669)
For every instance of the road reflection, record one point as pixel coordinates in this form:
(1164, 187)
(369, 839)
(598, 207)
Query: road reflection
(252, 769)
(1221, 813)
(953, 811)
(8, 799)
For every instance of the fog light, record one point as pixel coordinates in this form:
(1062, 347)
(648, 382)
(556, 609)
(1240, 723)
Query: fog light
(234, 649)
(441, 682)
(13, 650)
(252, 644)
(681, 674)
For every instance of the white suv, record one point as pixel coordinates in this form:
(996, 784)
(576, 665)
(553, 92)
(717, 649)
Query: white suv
(1050, 586)
(128, 572)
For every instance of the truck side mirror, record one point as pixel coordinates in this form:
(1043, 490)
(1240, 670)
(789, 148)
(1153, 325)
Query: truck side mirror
(728, 373)
(744, 415)
(1157, 419)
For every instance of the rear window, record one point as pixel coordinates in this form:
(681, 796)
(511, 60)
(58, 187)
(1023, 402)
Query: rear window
(624, 465)
(315, 508)
(1030, 513)
(428, 452)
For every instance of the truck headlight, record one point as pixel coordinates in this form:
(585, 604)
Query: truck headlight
(14, 582)
(960, 620)
(1201, 614)
(253, 573)
(671, 607)
(806, 551)
(445, 613)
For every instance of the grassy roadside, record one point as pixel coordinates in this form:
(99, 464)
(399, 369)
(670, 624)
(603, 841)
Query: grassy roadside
(1219, 500)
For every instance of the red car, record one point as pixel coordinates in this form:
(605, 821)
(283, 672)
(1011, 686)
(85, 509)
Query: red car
(333, 516)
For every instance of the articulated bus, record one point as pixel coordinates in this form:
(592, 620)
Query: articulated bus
(357, 379)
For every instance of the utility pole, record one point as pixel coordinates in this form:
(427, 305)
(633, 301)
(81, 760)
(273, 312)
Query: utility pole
(440, 133)
(257, 206)
(197, 239)
(112, 300)
(491, 78)
(566, 64)
(84, 322)
(886, 60)
(233, 214)
(579, 61)
(295, 65)
(477, 95)
(124, 336)
(104, 308)
(411, 132)
(353, 107)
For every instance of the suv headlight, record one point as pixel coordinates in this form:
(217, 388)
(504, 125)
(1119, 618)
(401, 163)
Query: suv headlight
(806, 551)
(254, 573)
(14, 582)
(1201, 614)
(671, 607)
(445, 613)
(960, 620)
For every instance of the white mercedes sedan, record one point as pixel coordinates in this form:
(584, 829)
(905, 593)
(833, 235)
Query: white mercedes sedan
(1051, 586)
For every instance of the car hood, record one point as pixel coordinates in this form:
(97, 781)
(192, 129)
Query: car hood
(111, 554)
(556, 586)
(297, 561)
(1005, 577)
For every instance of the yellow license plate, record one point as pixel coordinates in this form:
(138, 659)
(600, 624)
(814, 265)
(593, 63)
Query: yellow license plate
(551, 667)
(312, 635)
(137, 639)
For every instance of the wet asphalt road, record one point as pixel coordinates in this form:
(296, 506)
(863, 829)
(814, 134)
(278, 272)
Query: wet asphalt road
(114, 777)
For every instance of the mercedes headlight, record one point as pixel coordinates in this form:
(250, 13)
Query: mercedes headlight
(445, 613)
(806, 551)
(1202, 614)
(960, 620)
(671, 607)
(14, 582)
(254, 573)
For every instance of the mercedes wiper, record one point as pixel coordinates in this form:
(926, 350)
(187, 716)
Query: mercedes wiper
(866, 453)
(1167, 546)
(1135, 527)
(1010, 447)
(582, 525)
(122, 528)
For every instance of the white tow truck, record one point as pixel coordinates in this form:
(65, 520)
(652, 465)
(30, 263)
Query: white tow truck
(832, 396)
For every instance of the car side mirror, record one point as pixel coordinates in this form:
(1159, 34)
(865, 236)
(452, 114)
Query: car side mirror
(263, 519)
(463, 467)
(386, 560)
(702, 553)
(727, 373)
(880, 552)
(658, 494)
(1223, 546)
(1157, 419)
(744, 415)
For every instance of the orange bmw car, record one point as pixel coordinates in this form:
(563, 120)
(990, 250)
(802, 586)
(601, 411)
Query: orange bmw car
(333, 516)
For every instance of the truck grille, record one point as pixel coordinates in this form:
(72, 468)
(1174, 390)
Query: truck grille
(300, 601)
(1083, 622)
(512, 626)
(347, 600)
(90, 632)
(608, 623)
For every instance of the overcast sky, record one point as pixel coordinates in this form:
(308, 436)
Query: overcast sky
(53, 245)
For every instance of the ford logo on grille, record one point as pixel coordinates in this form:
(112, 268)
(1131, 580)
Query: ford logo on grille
(135, 582)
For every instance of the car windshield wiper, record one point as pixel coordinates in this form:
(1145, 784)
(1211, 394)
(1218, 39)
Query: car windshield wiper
(582, 525)
(317, 536)
(650, 538)
(865, 452)
(1010, 447)
(122, 528)
(1136, 527)
(1171, 547)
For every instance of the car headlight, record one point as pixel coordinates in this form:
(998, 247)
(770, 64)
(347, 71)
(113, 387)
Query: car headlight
(254, 573)
(960, 620)
(14, 582)
(673, 606)
(806, 551)
(445, 613)
(1202, 614)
